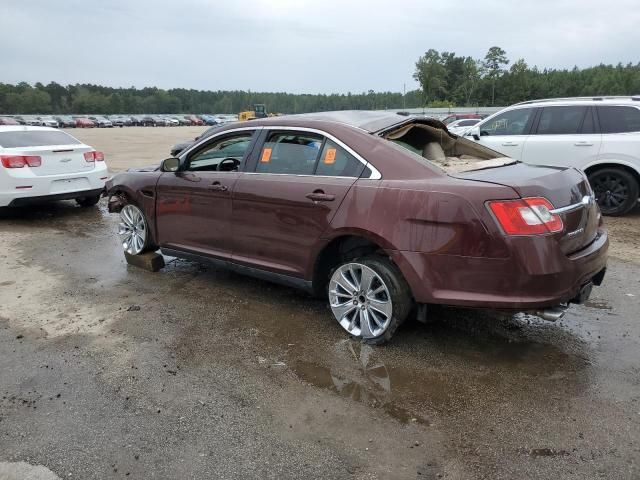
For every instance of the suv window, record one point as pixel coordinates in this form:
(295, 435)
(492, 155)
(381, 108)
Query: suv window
(618, 119)
(221, 155)
(512, 122)
(289, 152)
(468, 123)
(335, 161)
(561, 120)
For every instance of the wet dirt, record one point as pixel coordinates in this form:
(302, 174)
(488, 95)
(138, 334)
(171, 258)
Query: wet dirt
(194, 372)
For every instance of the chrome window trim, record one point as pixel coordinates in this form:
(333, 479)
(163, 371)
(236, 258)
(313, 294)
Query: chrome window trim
(375, 173)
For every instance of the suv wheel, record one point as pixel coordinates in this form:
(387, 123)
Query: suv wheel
(616, 190)
(133, 230)
(369, 298)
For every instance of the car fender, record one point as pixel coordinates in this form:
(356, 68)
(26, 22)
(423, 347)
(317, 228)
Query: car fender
(625, 160)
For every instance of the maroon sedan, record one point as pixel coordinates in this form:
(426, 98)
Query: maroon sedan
(82, 122)
(377, 212)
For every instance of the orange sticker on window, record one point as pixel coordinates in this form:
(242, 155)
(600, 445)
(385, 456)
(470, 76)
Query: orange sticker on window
(330, 156)
(266, 155)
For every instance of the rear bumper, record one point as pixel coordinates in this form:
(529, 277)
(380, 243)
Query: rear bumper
(23, 201)
(50, 187)
(537, 275)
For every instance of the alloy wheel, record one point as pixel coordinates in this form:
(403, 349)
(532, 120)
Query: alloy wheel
(132, 230)
(611, 191)
(360, 300)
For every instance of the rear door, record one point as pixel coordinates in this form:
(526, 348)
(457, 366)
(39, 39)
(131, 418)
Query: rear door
(287, 200)
(193, 205)
(620, 127)
(508, 131)
(563, 135)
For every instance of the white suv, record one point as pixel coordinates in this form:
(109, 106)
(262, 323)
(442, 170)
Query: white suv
(599, 135)
(41, 163)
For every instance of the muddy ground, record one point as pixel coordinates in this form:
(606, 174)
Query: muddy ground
(108, 371)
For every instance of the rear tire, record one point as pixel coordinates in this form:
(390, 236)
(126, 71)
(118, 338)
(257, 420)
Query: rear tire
(369, 298)
(616, 190)
(88, 201)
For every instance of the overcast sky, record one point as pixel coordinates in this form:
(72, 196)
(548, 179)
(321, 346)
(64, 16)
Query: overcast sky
(299, 46)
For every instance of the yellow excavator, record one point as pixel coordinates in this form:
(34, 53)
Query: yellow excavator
(259, 111)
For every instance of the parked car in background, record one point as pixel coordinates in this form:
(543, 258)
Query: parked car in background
(83, 122)
(314, 201)
(65, 121)
(102, 122)
(170, 121)
(208, 120)
(194, 120)
(48, 121)
(8, 121)
(39, 164)
(599, 135)
(31, 120)
(117, 120)
(460, 126)
(461, 116)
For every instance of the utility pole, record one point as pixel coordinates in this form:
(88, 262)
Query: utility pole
(404, 96)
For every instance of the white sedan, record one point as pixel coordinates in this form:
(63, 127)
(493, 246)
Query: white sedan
(460, 126)
(39, 164)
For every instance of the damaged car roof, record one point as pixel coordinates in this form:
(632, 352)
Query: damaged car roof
(369, 121)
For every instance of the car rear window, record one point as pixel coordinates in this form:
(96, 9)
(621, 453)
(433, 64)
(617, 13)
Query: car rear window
(290, 153)
(336, 162)
(618, 119)
(35, 138)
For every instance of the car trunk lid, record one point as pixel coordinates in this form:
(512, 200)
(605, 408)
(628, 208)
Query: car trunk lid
(58, 159)
(566, 188)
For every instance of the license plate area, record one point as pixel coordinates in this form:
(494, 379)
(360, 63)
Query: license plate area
(69, 185)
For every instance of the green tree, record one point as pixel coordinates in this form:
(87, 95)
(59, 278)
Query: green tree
(494, 62)
(431, 74)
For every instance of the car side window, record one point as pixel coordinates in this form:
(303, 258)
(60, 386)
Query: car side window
(619, 119)
(293, 153)
(561, 120)
(467, 123)
(221, 155)
(512, 122)
(335, 161)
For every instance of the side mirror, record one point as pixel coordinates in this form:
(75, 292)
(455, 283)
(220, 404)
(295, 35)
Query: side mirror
(171, 164)
(474, 132)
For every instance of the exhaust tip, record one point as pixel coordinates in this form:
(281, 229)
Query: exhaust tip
(552, 314)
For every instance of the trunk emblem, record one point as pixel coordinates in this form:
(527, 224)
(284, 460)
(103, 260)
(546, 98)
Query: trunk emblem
(65, 160)
(575, 232)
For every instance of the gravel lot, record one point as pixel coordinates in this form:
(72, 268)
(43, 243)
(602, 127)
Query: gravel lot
(108, 371)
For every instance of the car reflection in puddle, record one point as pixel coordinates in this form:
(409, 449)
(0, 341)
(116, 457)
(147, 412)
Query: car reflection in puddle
(367, 380)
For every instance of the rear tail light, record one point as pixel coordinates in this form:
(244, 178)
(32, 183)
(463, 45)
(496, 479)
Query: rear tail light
(20, 161)
(528, 216)
(94, 156)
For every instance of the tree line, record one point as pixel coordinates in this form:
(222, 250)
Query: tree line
(445, 79)
(53, 98)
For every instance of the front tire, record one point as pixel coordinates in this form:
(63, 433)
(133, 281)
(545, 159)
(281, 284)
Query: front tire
(369, 298)
(88, 201)
(133, 230)
(616, 190)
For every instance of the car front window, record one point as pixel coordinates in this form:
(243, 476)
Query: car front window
(222, 155)
(512, 122)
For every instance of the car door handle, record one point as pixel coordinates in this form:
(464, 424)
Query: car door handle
(218, 187)
(583, 144)
(510, 144)
(320, 196)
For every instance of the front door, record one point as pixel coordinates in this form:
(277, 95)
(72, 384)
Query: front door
(507, 132)
(193, 206)
(282, 208)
